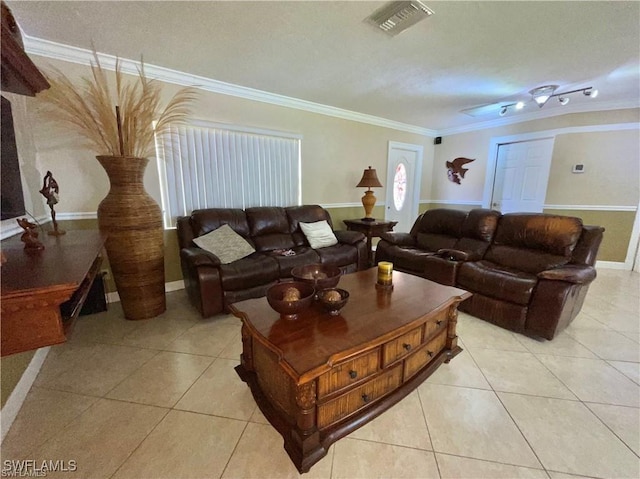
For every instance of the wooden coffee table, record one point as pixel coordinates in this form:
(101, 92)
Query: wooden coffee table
(320, 377)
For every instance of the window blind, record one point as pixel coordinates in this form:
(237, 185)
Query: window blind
(210, 166)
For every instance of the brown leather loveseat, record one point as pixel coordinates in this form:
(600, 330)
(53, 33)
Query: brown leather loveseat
(211, 285)
(528, 272)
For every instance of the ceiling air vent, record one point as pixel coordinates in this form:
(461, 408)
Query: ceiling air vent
(396, 17)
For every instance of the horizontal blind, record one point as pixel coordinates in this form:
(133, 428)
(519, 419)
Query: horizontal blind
(211, 167)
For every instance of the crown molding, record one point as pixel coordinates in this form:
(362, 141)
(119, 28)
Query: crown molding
(68, 53)
(541, 114)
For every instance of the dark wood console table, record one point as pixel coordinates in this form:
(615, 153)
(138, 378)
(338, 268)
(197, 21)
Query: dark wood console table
(370, 229)
(43, 291)
(320, 377)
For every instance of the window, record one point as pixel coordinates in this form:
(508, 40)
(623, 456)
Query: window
(205, 165)
(399, 186)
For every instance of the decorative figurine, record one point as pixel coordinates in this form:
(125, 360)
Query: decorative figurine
(455, 169)
(50, 191)
(30, 235)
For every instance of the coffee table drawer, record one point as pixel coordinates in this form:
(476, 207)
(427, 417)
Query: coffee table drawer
(434, 324)
(345, 405)
(348, 372)
(426, 353)
(400, 347)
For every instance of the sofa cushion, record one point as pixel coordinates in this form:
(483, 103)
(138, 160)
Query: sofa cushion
(552, 234)
(303, 256)
(339, 255)
(440, 221)
(225, 243)
(432, 242)
(496, 281)
(304, 214)
(203, 221)
(254, 270)
(269, 228)
(480, 224)
(405, 258)
(319, 234)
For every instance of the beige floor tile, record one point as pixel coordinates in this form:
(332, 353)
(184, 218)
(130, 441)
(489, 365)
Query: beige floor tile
(258, 417)
(402, 425)
(517, 372)
(623, 421)
(473, 423)
(461, 371)
(621, 320)
(219, 391)
(101, 438)
(562, 345)
(233, 349)
(109, 327)
(163, 380)
(43, 414)
(593, 380)
(567, 437)
(363, 459)
(63, 357)
(209, 337)
(608, 344)
(478, 333)
(585, 321)
(158, 332)
(260, 454)
(95, 369)
(455, 467)
(562, 475)
(631, 370)
(184, 445)
(631, 335)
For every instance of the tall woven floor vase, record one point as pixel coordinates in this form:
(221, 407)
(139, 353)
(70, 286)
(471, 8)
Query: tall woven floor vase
(135, 243)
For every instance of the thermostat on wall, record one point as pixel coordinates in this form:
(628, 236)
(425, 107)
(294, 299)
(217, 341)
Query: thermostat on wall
(578, 168)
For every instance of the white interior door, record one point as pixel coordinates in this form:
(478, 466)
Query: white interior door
(404, 173)
(522, 174)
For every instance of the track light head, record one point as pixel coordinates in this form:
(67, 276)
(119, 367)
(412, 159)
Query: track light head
(542, 94)
(563, 100)
(503, 111)
(590, 92)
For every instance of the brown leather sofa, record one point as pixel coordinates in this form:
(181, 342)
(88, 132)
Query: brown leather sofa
(211, 286)
(528, 272)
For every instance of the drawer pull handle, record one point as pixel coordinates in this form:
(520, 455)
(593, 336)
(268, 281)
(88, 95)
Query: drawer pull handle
(407, 346)
(353, 374)
(365, 398)
(430, 354)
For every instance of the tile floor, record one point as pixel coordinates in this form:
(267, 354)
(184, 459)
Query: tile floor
(160, 399)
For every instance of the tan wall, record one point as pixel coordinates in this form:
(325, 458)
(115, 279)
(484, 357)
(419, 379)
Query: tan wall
(334, 151)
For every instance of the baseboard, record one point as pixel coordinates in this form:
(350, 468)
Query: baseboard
(612, 265)
(16, 398)
(168, 287)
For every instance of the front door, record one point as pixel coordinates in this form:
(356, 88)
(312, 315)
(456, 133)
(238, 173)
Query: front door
(522, 174)
(404, 173)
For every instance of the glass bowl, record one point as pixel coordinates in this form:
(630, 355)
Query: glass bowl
(289, 309)
(321, 276)
(333, 299)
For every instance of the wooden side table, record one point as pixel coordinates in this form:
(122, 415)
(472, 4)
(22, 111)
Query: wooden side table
(370, 229)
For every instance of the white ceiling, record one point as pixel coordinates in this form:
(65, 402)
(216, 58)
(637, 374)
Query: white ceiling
(466, 55)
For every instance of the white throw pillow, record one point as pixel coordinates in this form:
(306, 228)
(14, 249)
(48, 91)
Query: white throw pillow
(319, 234)
(225, 243)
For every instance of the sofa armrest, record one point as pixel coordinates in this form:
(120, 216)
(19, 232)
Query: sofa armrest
(571, 273)
(399, 239)
(349, 237)
(199, 257)
(453, 254)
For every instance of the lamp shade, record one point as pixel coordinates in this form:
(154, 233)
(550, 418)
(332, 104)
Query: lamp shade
(369, 179)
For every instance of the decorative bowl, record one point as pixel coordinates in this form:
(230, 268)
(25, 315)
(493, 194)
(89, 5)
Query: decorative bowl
(321, 276)
(333, 299)
(289, 308)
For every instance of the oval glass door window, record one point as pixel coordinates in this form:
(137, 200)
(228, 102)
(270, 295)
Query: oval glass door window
(399, 186)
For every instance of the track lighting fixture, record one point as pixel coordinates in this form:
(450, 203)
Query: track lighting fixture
(541, 95)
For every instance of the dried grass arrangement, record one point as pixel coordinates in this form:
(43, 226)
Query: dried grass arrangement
(120, 124)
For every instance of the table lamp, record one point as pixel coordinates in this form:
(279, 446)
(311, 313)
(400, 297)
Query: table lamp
(369, 179)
